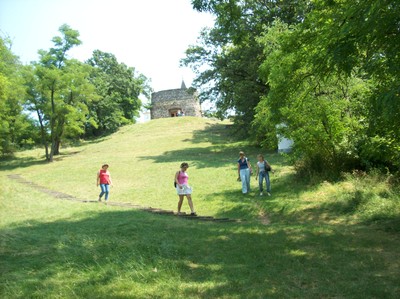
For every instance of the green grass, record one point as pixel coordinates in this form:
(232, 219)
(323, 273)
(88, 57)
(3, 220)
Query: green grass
(320, 243)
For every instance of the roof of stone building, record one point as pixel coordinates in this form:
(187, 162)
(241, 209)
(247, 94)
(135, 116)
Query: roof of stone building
(173, 94)
(183, 85)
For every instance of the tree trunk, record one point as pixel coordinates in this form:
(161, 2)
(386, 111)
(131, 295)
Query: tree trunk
(57, 147)
(52, 123)
(59, 133)
(51, 152)
(43, 134)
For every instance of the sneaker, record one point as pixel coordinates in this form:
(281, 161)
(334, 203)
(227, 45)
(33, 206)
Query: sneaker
(99, 199)
(193, 214)
(269, 194)
(261, 194)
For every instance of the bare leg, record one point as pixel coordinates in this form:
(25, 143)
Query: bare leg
(190, 202)
(180, 203)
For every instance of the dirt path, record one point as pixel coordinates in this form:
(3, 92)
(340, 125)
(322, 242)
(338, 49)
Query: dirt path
(64, 196)
(262, 216)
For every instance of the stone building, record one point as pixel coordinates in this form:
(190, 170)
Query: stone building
(175, 102)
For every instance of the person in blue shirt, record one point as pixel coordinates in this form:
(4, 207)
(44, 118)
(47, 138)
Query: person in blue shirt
(244, 170)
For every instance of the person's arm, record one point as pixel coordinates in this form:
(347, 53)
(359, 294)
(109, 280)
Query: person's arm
(109, 179)
(238, 170)
(176, 179)
(258, 171)
(98, 178)
(248, 165)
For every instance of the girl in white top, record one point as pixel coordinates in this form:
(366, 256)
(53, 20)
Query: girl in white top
(263, 169)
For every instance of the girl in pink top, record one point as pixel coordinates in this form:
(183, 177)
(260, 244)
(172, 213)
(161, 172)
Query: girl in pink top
(183, 189)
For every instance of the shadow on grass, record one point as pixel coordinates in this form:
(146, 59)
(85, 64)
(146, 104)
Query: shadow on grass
(23, 162)
(213, 156)
(356, 205)
(214, 133)
(202, 157)
(13, 163)
(220, 153)
(248, 206)
(131, 254)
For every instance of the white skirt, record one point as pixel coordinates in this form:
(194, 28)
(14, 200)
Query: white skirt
(185, 190)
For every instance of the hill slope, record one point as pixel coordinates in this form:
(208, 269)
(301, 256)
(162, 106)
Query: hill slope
(143, 159)
(315, 247)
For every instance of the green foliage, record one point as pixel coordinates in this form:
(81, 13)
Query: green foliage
(324, 92)
(16, 129)
(119, 88)
(362, 39)
(328, 74)
(228, 56)
(373, 199)
(59, 92)
(320, 114)
(57, 99)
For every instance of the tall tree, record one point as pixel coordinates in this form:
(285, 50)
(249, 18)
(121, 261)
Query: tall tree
(362, 38)
(232, 54)
(59, 91)
(328, 76)
(37, 104)
(16, 129)
(119, 88)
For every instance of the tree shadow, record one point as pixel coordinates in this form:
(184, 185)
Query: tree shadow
(202, 157)
(352, 206)
(23, 162)
(14, 163)
(131, 254)
(215, 133)
(11, 163)
(223, 151)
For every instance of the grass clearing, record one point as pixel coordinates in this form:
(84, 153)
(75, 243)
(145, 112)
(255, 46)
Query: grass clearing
(317, 245)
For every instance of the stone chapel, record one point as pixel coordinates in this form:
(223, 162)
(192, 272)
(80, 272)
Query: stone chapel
(175, 102)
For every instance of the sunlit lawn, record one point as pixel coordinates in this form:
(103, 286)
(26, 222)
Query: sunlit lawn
(52, 248)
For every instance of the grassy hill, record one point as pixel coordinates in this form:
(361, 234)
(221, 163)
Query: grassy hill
(317, 244)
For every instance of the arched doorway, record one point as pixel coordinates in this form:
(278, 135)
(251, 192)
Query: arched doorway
(173, 112)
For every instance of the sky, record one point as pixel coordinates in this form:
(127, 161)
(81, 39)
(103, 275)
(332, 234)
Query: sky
(149, 35)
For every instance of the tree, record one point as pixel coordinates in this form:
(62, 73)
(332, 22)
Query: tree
(326, 93)
(232, 54)
(37, 104)
(325, 72)
(59, 91)
(119, 88)
(16, 129)
(362, 38)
